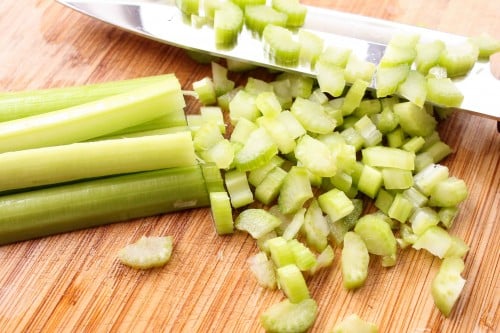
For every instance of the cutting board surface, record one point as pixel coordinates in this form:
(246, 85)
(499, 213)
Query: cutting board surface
(74, 282)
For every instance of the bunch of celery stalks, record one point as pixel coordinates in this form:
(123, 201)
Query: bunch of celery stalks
(293, 161)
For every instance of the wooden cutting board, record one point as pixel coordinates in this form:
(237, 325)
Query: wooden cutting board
(74, 283)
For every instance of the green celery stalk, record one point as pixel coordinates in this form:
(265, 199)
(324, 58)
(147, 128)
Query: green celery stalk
(58, 164)
(86, 121)
(69, 207)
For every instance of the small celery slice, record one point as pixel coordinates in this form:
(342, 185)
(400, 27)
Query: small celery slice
(280, 252)
(448, 193)
(427, 178)
(423, 218)
(312, 116)
(228, 21)
(414, 88)
(436, 240)
(370, 181)
(388, 79)
(354, 324)
(414, 120)
(401, 208)
(368, 131)
(315, 227)
(336, 204)
(448, 284)
(279, 133)
(280, 45)
(358, 69)
(257, 17)
(354, 96)
(376, 234)
(458, 59)
(295, 225)
(290, 317)
(295, 191)
(188, 7)
(147, 252)
(443, 92)
(263, 270)
(324, 259)
(428, 54)
(295, 12)
(243, 105)
(311, 46)
(354, 261)
(291, 281)
(397, 179)
(256, 152)
(330, 78)
(205, 90)
(486, 44)
(256, 176)
(315, 156)
(268, 190)
(220, 206)
(304, 257)
(257, 222)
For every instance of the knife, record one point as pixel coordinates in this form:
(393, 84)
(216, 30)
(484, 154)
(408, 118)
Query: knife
(367, 37)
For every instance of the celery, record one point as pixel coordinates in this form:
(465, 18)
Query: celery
(448, 192)
(443, 92)
(312, 116)
(205, 90)
(438, 151)
(354, 96)
(334, 55)
(447, 216)
(238, 188)
(336, 204)
(300, 85)
(354, 324)
(263, 270)
(458, 59)
(389, 78)
(414, 120)
(324, 259)
(368, 131)
(426, 179)
(228, 21)
(257, 222)
(383, 200)
(295, 12)
(222, 84)
(93, 119)
(295, 191)
(447, 285)
(304, 258)
(257, 17)
(315, 156)
(279, 133)
(57, 164)
(64, 208)
(315, 227)
(221, 153)
(414, 88)
(292, 282)
(281, 255)
(280, 45)
(428, 54)
(188, 7)
(268, 190)
(207, 136)
(370, 181)
(256, 152)
(397, 179)
(243, 105)
(330, 78)
(220, 205)
(290, 317)
(354, 261)
(357, 68)
(401, 208)
(147, 252)
(423, 218)
(20, 104)
(295, 225)
(311, 47)
(435, 240)
(256, 176)
(376, 234)
(486, 44)
(268, 104)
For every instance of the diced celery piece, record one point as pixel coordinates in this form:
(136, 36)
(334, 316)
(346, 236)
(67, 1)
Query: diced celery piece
(318, 96)
(357, 68)
(383, 201)
(283, 90)
(268, 104)
(295, 191)
(242, 130)
(224, 99)
(401, 208)
(353, 138)
(262, 242)
(207, 136)
(312, 116)
(417, 198)
(354, 324)
(457, 249)
(414, 88)
(228, 21)
(354, 96)
(407, 236)
(221, 212)
(354, 261)
(443, 92)
(427, 178)
(396, 137)
(423, 160)
(448, 284)
(370, 181)
(376, 234)
(221, 153)
(315, 156)
(243, 105)
(188, 7)
(293, 228)
(300, 85)
(428, 54)
(336, 204)
(213, 114)
(256, 176)
(234, 65)
(258, 16)
(256, 152)
(205, 90)
(342, 181)
(294, 10)
(414, 120)
(423, 218)
(447, 216)
(368, 107)
(324, 259)
(395, 55)
(387, 157)
(281, 255)
(290, 317)
(335, 55)
(263, 270)
(397, 179)
(304, 257)
(448, 192)
(438, 151)
(435, 240)
(256, 86)
(292, 124)
(458, 59)
(368, 131)
(311, 46)
(257, 222)
(386, 121)
(315, 227)
(147, 252)
(222, 84)
(414, 144)
(279, 134)
(330, 78)
(387, 79)
(268, 190)
(486, 44)
(292, 283)
(280, 45)
(238, 188)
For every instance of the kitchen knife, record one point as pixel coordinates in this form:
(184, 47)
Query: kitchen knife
(366, 37)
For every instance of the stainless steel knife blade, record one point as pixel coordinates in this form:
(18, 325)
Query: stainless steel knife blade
(367, 37)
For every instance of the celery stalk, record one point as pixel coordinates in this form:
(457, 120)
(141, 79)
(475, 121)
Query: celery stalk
(64, 208)
(93, 119)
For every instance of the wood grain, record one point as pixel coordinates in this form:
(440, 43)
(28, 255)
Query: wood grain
(74, 283)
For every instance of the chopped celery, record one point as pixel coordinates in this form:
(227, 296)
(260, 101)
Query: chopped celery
(368, 131)
(334, 55)
(256, 152)
(147, 252)
(428, 54)
(414, 88)
(263, 270)
(383, 200)
(206, 136)
(438, 151)
(295, 12)
(279, 133)
(295, 225)
(427, 178)
(213, 114)
(228, 21)
(312, 116)
(290, 317)
(256, 86)
(435, 240)
(370, 181)
(188, 7)
(222, 84)
(311, 47)
(486, 44)
(257, 17)
(357, 68)
(354, 261)
(242, 130)
(256, 176)
(423, 218)
(376, 234)
(336, 204)
(300, 85)
(395, 55)
(238, 188)
(401, 208)
(304, 257)
(448, 192)
(221, 153)
(457, 249)
(316, 227)
(280, 45)
(447, 216)
(354, 324)
(387, 157)
(292, 124)
(388, 79)
(315, 156)
(268, 190)
(279, 248)
(324, 259)
(354, 96)
(416, 198)
(414, 120)
(414, 144)
(458, 59)
(268, 104)
(257, 222)
(292, 282)
(221, 212)
(447, 285)
(243, 105)
(330, 78)
(397, 179)
(443, 92)
(295, 191)
(205, 90)
(396, 137)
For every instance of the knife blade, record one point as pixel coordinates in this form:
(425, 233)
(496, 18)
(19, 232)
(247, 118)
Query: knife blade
(367, 37)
